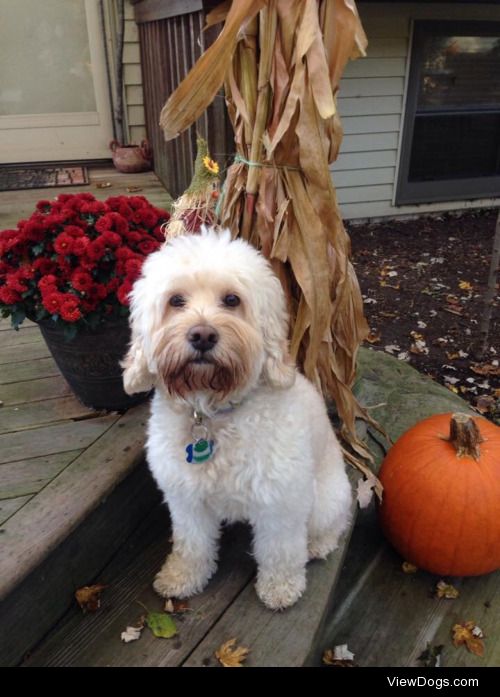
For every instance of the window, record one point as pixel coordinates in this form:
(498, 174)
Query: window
(451, 137)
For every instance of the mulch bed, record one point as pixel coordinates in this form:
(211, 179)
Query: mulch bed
(423, 283)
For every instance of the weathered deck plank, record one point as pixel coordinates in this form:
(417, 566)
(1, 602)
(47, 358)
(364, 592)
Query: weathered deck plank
(9, 506)
(94, 640)
(29, 476)
(28, 370)
(28, 352)
(49, 517)
(31, 415)
(59, 438)
(25, 335)
(38, 390)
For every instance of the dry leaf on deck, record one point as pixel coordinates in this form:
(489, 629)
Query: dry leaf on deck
(409, 568)
(89, 597)
(339, 656)
(230, 656)
(132, 633)
(133, 189)
(103, 185)
(446, 590)
(470, 635)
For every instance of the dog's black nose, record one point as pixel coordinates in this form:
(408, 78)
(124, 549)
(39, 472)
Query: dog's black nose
(203, 337)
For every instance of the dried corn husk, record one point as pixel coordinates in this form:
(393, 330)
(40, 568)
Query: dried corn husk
(281, 70)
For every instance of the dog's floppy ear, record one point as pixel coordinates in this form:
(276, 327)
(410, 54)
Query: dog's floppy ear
(136, 376)
(279, 369)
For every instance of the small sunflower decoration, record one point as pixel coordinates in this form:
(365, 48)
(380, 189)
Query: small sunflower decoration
(196, 206)
(211, 165)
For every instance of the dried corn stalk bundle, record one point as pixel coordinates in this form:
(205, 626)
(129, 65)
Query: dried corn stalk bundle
(281, 63)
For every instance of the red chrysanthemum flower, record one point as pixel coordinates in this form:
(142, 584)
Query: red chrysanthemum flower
(52, 301)
(111, 239)
(69, 309)
(63, 244)
(47, 283)
(44, 205)
(17, 281)
(96, 249)
(123, 293)
(44, 266)
(133, 268)
(81, 281)
(8, 295)
(80, 245)
(148, 245)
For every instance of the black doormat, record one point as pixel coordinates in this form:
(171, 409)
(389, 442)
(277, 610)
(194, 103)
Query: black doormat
(12, 178)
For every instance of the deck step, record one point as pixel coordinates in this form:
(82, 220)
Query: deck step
(228, 608)
(61, 531)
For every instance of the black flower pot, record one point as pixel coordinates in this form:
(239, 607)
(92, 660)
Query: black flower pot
(90, 363)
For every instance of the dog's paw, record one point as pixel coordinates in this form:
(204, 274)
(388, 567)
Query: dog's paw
(180, 577)
(280, 590)
(320, 546)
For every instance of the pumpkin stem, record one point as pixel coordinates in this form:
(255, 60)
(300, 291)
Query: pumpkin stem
(465, 436)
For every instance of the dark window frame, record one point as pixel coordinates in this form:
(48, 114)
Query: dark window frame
(445, 189)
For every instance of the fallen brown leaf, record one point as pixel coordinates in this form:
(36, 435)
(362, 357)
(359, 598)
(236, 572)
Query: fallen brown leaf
(446, 590)
(485, 404)
(409, 568)
(133, 189)
(469, 634)
(88, 597)
(485, 369)
(342, 658)
(103, 185)
(373, 337)
(231, 657)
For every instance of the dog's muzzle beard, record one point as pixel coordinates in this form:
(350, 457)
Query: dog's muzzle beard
(209, 375)
(201, 372)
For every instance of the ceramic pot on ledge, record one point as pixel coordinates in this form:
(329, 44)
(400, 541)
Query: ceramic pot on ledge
(131, 158)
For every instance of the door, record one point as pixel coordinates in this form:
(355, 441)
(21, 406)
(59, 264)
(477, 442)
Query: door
(54, 90)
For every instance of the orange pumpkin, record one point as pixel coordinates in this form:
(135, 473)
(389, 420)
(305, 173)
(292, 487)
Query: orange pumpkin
(441, 502)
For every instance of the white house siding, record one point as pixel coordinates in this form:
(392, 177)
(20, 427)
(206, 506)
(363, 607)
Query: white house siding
(371, 103)
(133, 97)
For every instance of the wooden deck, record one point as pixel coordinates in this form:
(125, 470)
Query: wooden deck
(77, 506)
(58, 461)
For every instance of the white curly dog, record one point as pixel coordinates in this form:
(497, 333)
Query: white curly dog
(235, 433)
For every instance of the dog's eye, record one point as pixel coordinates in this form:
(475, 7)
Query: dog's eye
(177, 301)
(231, 300)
